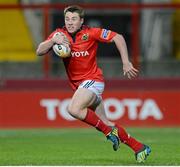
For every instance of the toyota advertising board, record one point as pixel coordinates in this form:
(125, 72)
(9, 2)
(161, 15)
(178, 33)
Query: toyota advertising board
(40, 108)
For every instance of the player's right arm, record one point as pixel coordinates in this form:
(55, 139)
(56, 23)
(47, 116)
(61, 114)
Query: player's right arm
(46, 45)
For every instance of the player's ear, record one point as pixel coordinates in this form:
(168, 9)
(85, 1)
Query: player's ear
(82, 20)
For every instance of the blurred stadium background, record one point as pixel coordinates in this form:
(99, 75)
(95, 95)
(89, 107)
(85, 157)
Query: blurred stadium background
(151, 29)
(34, 91)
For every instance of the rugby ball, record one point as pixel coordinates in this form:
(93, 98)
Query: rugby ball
(62, 50)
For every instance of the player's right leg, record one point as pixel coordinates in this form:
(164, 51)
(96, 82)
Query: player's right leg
(100, 111)
(81, 100)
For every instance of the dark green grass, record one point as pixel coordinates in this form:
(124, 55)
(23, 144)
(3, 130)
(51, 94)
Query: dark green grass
(84, 147)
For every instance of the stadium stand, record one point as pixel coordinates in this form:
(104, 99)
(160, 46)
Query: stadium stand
(13, 47)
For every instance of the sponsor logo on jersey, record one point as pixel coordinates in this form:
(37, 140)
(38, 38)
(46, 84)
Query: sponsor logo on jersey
(105, 34)
(85, 37)
(80, 54)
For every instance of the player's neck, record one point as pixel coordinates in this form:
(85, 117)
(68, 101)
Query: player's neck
(74, 33)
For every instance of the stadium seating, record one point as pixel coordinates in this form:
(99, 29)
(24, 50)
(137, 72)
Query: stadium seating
(16, 43)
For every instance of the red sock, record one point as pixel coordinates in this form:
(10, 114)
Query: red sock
(93, 120)
(128, 140)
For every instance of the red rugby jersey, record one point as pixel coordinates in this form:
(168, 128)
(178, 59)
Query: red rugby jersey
(82, 64)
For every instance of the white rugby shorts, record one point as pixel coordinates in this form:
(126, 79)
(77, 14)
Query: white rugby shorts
(94, 86)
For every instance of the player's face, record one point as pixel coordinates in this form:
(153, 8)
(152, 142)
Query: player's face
(73, 22)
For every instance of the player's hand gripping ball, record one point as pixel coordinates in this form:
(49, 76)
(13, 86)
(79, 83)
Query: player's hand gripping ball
(61, 50)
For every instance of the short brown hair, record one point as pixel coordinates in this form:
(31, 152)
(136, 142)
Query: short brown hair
(75, 8)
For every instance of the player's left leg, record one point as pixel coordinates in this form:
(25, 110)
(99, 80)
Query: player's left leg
(124, 136)
(141, 150)
(142, 154)
(100, 111)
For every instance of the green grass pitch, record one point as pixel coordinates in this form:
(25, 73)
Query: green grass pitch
(85, 147)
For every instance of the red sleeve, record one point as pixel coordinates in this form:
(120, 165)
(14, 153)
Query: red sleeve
(52, 34)
(102, 35)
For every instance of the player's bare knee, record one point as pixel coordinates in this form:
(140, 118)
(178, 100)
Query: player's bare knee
(73, 111)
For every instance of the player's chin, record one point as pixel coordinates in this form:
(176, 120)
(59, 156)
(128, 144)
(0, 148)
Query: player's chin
(72, 31)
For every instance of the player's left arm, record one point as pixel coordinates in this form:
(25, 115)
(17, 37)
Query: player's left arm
(128, 68)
